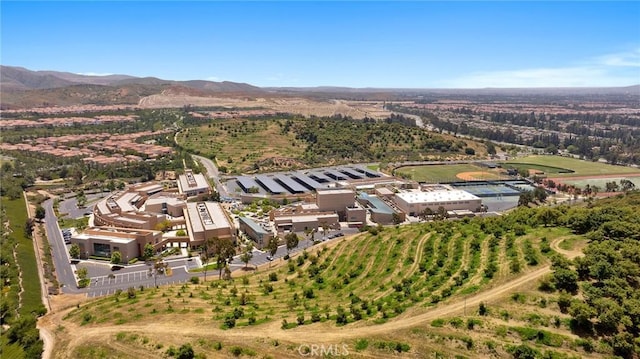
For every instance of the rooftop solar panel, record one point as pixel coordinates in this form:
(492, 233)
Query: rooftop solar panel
(320, 177)
(246, 182)
(307, 181)
(291, 185)
(351, 173)
(335, 175)
(270, 185)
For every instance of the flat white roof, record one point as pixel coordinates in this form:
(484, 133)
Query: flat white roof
(150, 188)
(436, 196)
(124, 202)
(104, 237)
(335, 191)
(206, 216)
(168, 200)
(192, 182)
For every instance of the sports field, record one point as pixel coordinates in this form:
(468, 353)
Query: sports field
(556, 166)
(600, 182)
(449, 173)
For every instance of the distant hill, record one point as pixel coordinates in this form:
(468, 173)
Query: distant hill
(23, 88)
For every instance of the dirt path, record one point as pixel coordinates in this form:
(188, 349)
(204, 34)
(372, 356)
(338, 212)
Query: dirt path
(319, 333)
(555, 245)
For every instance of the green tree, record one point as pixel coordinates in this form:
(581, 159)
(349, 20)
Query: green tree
(224, 251)
(116, 257)
(247, 254)
(272, 247)
(40, 213)
(148, 251)
(627, 185)
(208, 250)
(566, 279)
(74, 251)
(291, 241)
(185, 352)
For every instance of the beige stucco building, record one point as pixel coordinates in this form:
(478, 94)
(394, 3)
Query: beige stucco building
(192, 184)
(207, 220)
(104, 241)
(416, 202)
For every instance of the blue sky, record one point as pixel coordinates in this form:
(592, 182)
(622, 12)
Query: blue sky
(357, 44)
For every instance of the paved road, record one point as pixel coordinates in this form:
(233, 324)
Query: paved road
(59, 250)
(212, 170)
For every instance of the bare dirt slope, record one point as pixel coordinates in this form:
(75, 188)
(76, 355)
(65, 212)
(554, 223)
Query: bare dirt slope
(302, 106)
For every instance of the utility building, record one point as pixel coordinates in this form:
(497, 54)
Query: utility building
(416, 202)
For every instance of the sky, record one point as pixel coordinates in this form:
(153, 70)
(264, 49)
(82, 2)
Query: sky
(380, 44)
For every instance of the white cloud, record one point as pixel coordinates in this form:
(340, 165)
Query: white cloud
(619, 69)
(212, 78)
(625, 59)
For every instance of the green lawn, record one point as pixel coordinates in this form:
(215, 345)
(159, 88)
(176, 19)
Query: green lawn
(437, 173)
(17, 215)
(579, 167)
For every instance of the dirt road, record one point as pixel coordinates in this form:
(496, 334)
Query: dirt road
(316, 333)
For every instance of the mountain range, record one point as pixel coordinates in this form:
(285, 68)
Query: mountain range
(24, 88)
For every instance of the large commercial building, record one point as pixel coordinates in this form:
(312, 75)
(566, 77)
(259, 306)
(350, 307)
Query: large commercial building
(258, 233)
(336, 200)
(104, 241)
(192, 184)
(381, 212)
(206, 220)
(139, 207)
(300, 222)
(416, 202)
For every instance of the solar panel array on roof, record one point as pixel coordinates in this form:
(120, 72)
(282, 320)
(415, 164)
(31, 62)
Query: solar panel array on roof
(291, 185)
(246, 183)
(320, 177)
(270, 185)
(371, 174)
(307, 181)
(351, 173)
(337, 176)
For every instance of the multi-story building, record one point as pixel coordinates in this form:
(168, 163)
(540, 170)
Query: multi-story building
(104, 241)
(256, 231)
(193, 184)
(206, 220)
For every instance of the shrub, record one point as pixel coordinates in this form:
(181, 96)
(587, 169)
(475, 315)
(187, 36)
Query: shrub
(230, 322)
(438, 323)
(194, 280)
(361, 344)
(273, 276)
(308, 293)
(131, 293)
